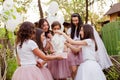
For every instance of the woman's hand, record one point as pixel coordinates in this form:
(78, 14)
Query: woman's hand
(67, 44)
(59, 32)
(39, 64)
(59, 57)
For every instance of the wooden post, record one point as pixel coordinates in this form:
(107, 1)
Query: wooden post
(0, 72)
(0, 66)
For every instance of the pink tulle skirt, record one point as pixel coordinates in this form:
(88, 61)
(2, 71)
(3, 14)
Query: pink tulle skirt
(28, 72)
(46, 73)
(59, 68)
(75, 59)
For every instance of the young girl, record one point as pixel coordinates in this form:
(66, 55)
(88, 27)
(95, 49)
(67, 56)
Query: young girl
(89, 69)
(59, 68)
(27, 53)
(40, 36)
(44, 25)
(74, 57)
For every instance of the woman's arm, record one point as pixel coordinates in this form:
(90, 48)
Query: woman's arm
(82, 42)
(40, 54)
(73, 48)
(41, 63)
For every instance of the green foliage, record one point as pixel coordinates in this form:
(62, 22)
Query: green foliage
(21, 9)
(11, 38)
(9, 53)
(112, 74)
(12, 65)
(110, 35)
(8, 14)
(22, 5)
(79, 6)
(9, 59)
(69, 7)
(118, 18)
(1, 0)
(10, 35)
(1, 46)
(118, 48)
(14, 17)
(2, 32)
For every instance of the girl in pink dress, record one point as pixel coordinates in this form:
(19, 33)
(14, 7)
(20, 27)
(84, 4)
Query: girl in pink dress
(74, 57)
(27, 53)
(59, 68)
(40, 36)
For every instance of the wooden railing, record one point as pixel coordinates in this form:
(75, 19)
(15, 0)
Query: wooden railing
(116, 63)
(114, 71)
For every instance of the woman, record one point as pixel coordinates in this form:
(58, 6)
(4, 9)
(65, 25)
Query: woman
(89, 69)
(27, 53)
(40, 36)
(75, 58)
(44, 25)
(58, 68)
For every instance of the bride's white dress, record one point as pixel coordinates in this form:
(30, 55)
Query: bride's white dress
(89, 69)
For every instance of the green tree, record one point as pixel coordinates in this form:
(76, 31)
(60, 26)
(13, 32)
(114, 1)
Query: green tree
(77, 6)
(6, 53)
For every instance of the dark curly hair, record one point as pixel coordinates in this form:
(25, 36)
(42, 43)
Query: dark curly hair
(25, 32)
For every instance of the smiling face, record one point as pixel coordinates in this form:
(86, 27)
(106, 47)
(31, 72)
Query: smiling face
(57, 27)
(42, 37)
(75, 21)
(45, 26)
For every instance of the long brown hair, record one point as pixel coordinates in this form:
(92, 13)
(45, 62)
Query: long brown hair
(89, 33)
(80, 23)
(40, 24)
(38, 39)
(25, 32)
